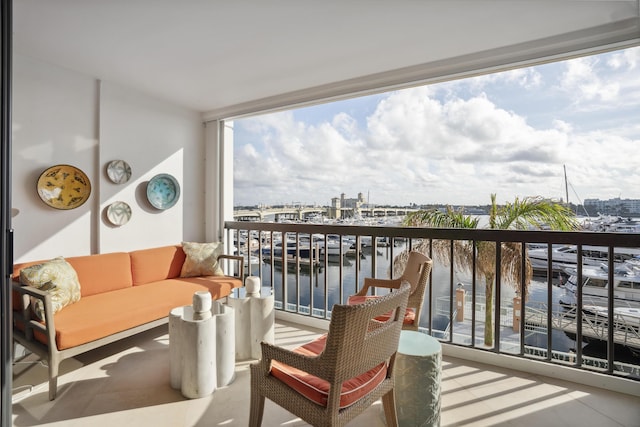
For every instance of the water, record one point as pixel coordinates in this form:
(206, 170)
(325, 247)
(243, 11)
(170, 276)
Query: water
(312, 282)
(312, 286)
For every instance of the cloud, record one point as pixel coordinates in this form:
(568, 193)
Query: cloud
(526, 78)
(581, 79)
(446, 144)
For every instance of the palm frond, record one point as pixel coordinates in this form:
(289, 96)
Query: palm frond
(521, 214)
(438, 219)
(535, 212)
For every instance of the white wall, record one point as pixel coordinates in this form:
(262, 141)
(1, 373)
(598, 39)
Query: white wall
(153, 137)
(60, 116)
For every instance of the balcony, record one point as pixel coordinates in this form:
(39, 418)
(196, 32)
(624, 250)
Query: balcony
(127, 384)
(530, 377)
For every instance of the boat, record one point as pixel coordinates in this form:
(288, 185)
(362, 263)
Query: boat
(612, 224)
(333, 243)
(293, 248)
(332, 246)
(566, 256)
(595, 285)
(251, 263)
(595, 301)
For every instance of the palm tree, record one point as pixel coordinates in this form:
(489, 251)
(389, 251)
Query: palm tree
(519, 215)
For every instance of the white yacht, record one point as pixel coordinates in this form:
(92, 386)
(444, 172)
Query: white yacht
(612, 224)
(595, 284)
(595, 292)
(334, 245)
(566, 256)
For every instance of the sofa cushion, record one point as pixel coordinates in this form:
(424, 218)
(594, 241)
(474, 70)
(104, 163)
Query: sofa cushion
(102, 272)
(58, 278)
(96, 273)
(151, 265)
(218, 286)
(317, 389)
(112, 312)
(202, 259)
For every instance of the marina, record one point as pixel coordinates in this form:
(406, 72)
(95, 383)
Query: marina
(590, 338)
(308, 290)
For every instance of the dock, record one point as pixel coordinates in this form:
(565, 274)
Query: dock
(594, 325)
(293, 262)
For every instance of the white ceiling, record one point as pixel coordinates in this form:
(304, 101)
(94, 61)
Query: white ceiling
(227, 58)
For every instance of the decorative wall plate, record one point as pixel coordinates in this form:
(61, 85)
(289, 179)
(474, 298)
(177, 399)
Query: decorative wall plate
(163, 191)
(119, 213)
(119, 171)
(64, 187)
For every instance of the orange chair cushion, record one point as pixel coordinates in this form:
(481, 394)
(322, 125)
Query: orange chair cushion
(317, 389)
(409, 314)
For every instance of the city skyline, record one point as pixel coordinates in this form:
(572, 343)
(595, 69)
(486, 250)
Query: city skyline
(509, 133)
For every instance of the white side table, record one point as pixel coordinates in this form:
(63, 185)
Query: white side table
(201, 346)
(254, 320)
(418, 372)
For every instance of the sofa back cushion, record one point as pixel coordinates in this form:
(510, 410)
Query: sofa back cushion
(103, 272)
(151, 265)
(96, 273)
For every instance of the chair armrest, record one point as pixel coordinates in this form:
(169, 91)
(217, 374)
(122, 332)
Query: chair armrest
(370, 282)
(239, 263)
(309, 364)
(26, 313)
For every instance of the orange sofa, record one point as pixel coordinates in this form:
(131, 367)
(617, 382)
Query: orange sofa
(122, 294)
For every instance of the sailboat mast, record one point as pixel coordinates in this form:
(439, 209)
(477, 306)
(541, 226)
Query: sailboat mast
(566, 186)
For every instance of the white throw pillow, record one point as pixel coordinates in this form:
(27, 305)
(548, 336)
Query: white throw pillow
(202, 259)
(58, 278)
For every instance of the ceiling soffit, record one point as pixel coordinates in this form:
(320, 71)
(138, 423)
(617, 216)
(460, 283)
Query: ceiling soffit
(591, 41)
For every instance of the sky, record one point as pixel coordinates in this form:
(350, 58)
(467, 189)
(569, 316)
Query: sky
(510, 133)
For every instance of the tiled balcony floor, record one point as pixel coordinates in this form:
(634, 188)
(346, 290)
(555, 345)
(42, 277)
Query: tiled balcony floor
(127, 384)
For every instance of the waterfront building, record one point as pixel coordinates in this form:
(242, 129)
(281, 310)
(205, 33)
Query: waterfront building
(615, 206)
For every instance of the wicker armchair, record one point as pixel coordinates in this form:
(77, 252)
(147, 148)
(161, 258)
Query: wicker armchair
(324, 382)
(416, 272)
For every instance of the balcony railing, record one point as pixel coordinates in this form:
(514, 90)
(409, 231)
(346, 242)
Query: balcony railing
(308, 282)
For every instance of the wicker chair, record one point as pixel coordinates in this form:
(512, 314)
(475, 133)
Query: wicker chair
(357, 354)
(416, 272)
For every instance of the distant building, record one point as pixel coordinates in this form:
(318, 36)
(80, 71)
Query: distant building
(341, 205)
(617, 206)
(352, 203)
